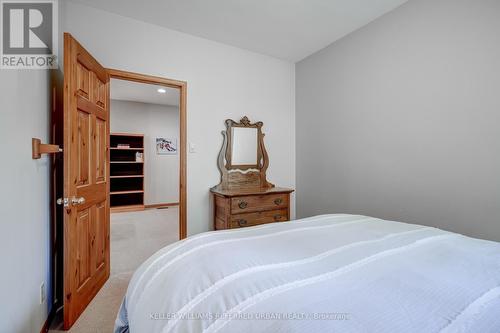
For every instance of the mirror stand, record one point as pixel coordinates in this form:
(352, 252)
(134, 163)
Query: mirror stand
(242, 176)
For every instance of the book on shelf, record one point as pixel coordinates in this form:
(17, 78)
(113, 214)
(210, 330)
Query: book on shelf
(123, 145)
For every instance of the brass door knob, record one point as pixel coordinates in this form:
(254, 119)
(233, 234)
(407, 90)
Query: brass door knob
(242, 223)
(243, 204)
(278, 201)
(277, 217)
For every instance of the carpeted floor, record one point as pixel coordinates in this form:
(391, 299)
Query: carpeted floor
(135, 236)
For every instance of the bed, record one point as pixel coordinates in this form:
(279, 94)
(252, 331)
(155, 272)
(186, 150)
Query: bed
(330, 273)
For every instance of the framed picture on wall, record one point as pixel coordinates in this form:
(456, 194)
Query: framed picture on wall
(166, 146)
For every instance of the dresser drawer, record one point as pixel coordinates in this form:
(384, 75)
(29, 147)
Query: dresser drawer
(258, 203)
(251, 219)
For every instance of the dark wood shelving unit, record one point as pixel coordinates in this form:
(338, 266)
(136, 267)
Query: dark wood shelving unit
(127, 174)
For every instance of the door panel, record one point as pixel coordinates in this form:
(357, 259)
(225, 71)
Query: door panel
(82, 81)
(100, 92)
(83, 126)
(99, 239)
(100, 144)
(82, 247)
(86, 158)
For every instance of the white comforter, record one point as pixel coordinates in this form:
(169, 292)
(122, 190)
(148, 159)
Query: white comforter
(332, 273)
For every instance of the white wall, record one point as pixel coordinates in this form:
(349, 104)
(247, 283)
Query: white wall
(161, 178)
(24, 200)
(400, 119)
(223, 82)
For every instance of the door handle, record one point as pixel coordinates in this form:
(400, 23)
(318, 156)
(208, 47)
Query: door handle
(74, 201)
(63, 201)
(77, 201)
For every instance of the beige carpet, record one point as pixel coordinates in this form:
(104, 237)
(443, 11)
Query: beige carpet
(135, 236)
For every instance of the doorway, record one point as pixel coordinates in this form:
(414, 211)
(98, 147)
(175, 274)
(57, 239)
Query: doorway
(144, 172)
(172, 93)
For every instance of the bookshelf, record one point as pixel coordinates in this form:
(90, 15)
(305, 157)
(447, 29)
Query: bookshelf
(126, 172)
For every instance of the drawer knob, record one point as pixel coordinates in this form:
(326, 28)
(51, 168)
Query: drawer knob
(242, 223)
(243, 204)
(277, 217)
(278, 201)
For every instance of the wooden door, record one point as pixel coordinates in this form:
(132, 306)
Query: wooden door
(86, 178)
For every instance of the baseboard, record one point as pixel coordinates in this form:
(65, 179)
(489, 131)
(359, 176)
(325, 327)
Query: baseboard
(48, 321)
(160, 205)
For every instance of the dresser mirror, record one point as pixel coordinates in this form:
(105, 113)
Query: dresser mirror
(244, 141)
(243, 158)
(244, 197)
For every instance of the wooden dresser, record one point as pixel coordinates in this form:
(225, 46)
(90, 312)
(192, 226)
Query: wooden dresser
(246, 208)
(244, 197)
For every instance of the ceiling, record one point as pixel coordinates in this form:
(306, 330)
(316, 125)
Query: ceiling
(143, 93)
(285, 29)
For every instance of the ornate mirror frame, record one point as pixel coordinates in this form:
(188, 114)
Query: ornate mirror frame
(242, 176)
(244, 123)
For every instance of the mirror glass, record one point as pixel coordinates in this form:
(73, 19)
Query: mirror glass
(244, 144)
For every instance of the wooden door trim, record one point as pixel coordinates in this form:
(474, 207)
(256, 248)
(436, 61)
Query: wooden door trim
(182, 86)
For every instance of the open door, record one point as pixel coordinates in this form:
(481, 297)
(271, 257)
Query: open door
(86, 179)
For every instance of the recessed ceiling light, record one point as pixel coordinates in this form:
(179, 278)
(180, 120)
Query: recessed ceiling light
(162, 91)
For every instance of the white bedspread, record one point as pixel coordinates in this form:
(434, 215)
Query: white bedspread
(331, 273)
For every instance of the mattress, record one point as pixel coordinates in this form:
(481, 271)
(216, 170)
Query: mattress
(330, 273)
